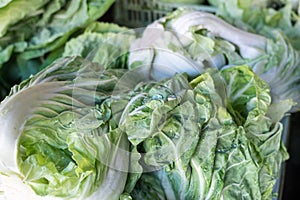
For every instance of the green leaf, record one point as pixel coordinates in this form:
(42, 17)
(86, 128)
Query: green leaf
(22, 9)
(102, 43)
(67, 143)
(246, 92)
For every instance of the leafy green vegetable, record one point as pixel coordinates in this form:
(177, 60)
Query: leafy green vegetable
(246, 93)
(103, 43)
(37, 28)
(258, 16)
(64, 143)
(119, 134)
(196, 115)
(220, 149)
(195, 41)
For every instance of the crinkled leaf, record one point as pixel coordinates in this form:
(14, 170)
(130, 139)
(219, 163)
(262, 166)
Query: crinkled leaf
(67, 144)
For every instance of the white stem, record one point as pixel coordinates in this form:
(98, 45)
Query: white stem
(250, 44)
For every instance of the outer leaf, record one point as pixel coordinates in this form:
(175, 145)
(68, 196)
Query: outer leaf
(21, 8)
(257, 16)
(228, 161)
(4, 2)
(58, 135)
(38, 28)
(245, 92)
(102, 43)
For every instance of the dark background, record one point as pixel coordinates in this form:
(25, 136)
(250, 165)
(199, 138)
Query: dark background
(291, 186)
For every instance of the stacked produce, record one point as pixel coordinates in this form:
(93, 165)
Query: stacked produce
(189, 107)
(33, 33)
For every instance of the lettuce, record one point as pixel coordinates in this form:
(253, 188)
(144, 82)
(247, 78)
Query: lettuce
(122, 134)
(258, 16)
(206, 153)
(187, 111)
(193, 41)
(39, 28)
(64, 143)
(105, 43)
